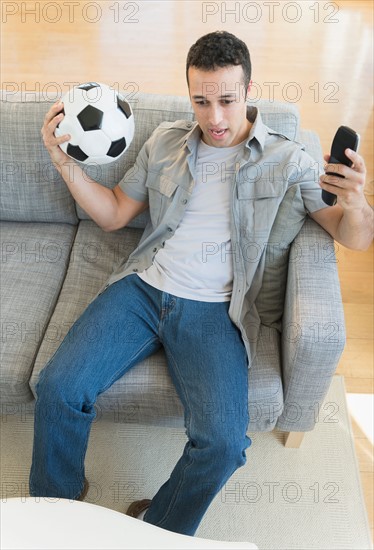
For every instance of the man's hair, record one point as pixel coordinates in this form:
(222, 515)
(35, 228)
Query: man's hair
(219, 49)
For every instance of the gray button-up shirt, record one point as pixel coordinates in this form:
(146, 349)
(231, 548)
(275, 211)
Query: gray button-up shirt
(164, 174)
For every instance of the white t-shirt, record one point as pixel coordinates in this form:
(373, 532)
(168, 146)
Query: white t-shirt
(196, 262)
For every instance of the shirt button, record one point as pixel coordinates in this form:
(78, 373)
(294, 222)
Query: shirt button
(184, 201)
(155, 250)
(170, 229)
(135, 270)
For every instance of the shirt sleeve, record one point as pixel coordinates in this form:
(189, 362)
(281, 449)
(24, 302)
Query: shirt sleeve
(133, 182)
(311, 191)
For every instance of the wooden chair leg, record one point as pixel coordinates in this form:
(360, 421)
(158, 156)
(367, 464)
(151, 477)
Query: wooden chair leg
(293, 439)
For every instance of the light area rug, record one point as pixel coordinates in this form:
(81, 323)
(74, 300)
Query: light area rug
(306, 498)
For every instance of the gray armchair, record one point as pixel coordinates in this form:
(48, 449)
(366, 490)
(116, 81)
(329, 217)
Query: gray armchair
(55, 259)
(313, 335)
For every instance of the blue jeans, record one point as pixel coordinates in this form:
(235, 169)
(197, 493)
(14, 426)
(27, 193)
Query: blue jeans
(207, 361)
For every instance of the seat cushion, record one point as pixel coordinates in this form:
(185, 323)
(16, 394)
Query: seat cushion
(95, 254)
(146, 393)
(265, 382)
(34, 261)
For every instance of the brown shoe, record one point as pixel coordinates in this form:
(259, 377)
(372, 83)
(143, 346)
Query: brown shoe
(83, 494)
(137, 507)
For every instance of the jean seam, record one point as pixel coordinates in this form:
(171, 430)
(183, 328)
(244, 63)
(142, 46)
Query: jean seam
(43, 371)
(187, 425)
(176, 492)
(130, 363)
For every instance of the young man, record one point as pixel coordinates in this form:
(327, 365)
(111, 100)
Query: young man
(197, 180)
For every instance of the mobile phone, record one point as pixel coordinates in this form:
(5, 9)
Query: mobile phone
(344, 137)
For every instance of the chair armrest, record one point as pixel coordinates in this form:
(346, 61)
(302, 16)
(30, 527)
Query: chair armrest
(313, 328)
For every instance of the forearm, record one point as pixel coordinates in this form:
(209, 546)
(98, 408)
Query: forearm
(356, 228)
(351, 221)
(96, 200)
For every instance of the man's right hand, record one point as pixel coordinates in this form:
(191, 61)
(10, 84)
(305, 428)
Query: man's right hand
(110, 209)
(51, 142)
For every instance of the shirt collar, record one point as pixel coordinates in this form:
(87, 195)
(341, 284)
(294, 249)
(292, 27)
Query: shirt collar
(257, 132)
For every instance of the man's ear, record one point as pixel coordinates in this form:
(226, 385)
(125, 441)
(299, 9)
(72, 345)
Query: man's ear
(248, 90)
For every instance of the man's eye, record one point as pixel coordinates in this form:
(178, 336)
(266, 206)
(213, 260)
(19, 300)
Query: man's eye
(228, 101)
(200, 103)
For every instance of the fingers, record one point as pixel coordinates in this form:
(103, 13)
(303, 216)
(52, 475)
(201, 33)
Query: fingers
(53, 111)
(52, 127)
(327, 182)
(51, 120)
(341, 176)
(358, 161)
(340, 169)
(355, 172)
(346, 171)
(349, 184)
(348, 188)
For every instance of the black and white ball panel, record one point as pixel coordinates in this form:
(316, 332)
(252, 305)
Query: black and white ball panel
(100, 122)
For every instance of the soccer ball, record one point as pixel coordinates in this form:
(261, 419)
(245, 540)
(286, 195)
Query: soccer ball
(100, 122)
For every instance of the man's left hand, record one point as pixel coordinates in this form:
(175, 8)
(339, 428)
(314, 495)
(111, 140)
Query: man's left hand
(349, 189)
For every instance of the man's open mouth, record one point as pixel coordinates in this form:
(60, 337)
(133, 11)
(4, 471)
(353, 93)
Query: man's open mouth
(218, 133)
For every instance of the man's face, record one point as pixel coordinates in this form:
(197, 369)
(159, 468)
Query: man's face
(218, 100)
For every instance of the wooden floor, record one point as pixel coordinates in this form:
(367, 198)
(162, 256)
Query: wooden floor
(317, 55)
